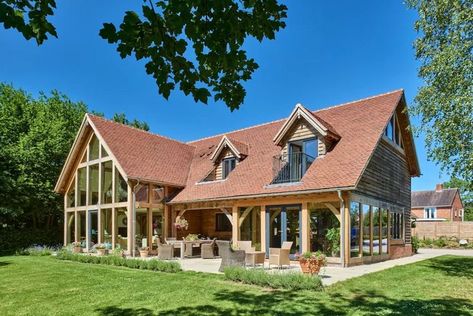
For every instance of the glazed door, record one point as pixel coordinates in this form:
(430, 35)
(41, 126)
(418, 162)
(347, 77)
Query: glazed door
(283, 223)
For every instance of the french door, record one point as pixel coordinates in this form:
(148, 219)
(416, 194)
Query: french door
(283, 223)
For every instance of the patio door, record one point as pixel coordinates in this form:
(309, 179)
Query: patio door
(283, 223)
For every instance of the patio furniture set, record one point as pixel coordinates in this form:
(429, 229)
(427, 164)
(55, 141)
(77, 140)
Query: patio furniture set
(243, 255)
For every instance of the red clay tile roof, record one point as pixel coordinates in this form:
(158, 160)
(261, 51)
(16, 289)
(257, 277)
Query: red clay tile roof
(360, 125)
(146, 156)
(241, 147)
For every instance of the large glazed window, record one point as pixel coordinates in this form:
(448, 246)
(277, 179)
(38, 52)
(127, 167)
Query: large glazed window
(94, 184)
(82, 186)
(366, 230)
(397, 225)
(94, 148)
(384, 231)
(71, 195)
(107, 189)
(354, 229)
(376, 213)
(121, 190)
(106, 222)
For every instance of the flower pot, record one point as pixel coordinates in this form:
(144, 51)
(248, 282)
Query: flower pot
(144, 253)
(101, 252)
(311, 265)
(77, 249)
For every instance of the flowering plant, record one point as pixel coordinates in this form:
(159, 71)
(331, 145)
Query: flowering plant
(181, 223)
(76, 244)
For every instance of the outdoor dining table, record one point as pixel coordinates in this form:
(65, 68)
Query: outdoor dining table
(183, 243)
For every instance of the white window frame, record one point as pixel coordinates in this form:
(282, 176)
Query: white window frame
(430, 213)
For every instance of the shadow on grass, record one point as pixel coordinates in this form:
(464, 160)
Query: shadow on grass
(452, 265)
(236, 302)
(3, 263)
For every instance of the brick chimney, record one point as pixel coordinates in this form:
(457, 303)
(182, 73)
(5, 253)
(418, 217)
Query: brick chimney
(439, 187)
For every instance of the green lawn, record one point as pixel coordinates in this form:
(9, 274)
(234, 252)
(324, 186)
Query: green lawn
(46, 286)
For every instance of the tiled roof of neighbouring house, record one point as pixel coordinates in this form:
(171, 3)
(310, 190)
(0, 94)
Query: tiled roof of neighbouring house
(434, 198)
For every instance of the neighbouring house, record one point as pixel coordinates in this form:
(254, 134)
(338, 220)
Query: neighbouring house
(346, 168)
(437, 205)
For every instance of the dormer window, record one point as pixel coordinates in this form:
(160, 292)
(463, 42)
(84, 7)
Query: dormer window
(228, 165)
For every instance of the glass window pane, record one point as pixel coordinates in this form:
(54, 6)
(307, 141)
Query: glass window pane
(311, 148)
(104, 152)
(141, 227)
(107, 169)
(251, 225)
(142, 194)
(354, 229)
(122, 227)
(384, 231)
(121, 188)
(94, 148)
(82, 186)
(366, 230)
(106, 222)
(71, 227)
(81, 224)
(93, 184)
(157, 194)
(376, 230)
(71, 195)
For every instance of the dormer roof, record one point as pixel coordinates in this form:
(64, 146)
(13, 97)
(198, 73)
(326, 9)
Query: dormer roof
(299, 111)
(239, 149)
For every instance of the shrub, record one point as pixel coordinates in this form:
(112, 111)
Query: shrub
(153, 264)
(289, 280)
(440, 242)
(14, 239)
(37, 250)
(415, 244)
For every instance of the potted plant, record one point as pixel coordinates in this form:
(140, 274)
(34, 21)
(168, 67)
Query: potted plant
(181, 223)
(311, 262)
(76, 247)
(192, 237)
(144, 252)
(101, 249)
(333, 238)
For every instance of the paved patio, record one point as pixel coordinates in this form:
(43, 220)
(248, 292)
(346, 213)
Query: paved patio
(332, 274)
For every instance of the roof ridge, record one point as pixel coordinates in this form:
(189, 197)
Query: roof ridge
(434, 190)
(313, 112)
(360, 100)
(137, 129)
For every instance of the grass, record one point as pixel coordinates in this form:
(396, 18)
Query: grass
(46, 286)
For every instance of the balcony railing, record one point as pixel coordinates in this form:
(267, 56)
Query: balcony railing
(290, 167)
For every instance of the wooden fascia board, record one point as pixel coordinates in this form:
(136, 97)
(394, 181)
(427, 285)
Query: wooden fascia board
(299, 111)
(224, 142)
(410, 136)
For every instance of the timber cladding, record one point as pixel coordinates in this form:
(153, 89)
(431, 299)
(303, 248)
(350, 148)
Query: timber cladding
(387, 176)
(302, 130)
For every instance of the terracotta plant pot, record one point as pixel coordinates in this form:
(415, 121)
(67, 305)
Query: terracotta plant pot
(102, 252)
(144, 253)
(77, 249)
(310, 266)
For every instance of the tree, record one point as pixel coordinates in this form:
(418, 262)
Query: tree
(445, 102)
(466, 194)
(121, 118)
(193, 45)
(36, 135)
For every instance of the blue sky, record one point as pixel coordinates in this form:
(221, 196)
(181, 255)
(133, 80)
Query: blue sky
(331, 52)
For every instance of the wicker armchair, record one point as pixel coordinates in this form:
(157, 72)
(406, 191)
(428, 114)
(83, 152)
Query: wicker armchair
(207, 250)
(280, 256)
(230, 257)
(165, 252)
(245, 245)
